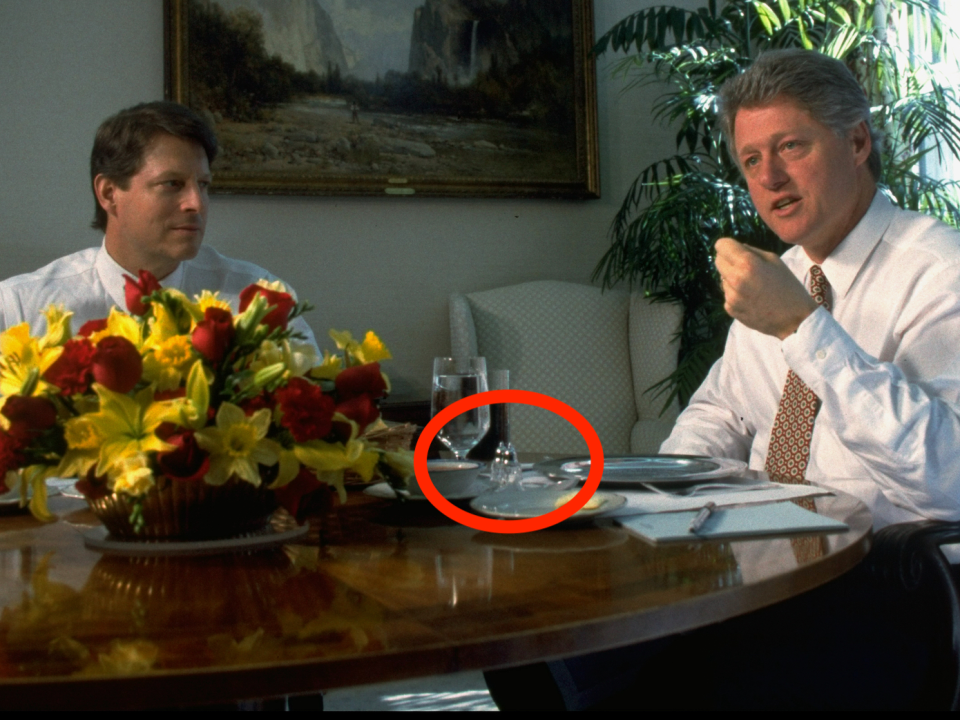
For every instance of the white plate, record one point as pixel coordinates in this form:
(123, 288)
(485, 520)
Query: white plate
(653, 469)
(383, 491)
(54, 487)
(99, 539)
(518, 504)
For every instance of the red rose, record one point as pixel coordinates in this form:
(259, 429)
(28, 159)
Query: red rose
(28, 415)
(117, 365)
(135, 291)
(214, 333)
(188, 463)
(282, 304)
(361, 380)
(307, 412)
(92, 326)
(72, 372)
(361, 409)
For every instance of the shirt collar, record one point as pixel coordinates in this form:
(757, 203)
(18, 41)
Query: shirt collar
(111, 275)
(843, 265)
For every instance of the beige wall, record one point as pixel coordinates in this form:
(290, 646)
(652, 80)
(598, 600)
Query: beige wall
(383, 263)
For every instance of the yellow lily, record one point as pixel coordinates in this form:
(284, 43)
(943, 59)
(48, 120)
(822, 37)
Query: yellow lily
(370, 350)
(119, 323)
(19, 355)
(238, 444)
(128, 425)
(58, 326)
(329, 459)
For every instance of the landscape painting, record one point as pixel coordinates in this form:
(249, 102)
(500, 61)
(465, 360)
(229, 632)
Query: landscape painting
(396, 97)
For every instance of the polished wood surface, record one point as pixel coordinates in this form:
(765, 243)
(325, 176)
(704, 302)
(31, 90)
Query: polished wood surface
(392, 591)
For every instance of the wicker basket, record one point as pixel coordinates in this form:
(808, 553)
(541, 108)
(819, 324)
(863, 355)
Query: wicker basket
(188, 511)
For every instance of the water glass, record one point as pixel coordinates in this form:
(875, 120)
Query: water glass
(453, 380)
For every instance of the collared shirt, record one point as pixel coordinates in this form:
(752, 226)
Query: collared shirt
(885, 364)
(90, 282)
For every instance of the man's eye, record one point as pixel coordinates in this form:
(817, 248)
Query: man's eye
(751, 161)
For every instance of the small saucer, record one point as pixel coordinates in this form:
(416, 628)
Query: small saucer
(383, 491)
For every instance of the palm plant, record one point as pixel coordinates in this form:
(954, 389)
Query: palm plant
(663, 234)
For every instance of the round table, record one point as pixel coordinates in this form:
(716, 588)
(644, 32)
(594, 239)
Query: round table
(381, 592)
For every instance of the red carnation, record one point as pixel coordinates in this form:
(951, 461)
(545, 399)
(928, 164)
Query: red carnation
(213, 335)
(117, 365)
(188, 463)
(361, 380)
(307, 412)
(92, 326)
(28, 415)
(135, 291)
(361, 409)
(11, 455)
(282, 304)
(72, 372)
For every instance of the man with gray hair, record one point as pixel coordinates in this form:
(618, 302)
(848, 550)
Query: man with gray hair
(856, 327)
(841, 366)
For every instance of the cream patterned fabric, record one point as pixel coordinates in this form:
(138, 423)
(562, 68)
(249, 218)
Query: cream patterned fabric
(596, 351)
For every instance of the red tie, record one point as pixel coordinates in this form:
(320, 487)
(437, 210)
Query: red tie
(789, 449)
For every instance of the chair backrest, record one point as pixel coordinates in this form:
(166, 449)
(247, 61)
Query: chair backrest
(579, 345)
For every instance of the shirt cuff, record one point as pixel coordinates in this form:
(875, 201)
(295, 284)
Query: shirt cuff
(819, 349)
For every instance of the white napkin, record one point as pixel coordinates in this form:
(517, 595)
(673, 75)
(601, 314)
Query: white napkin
(640, 502)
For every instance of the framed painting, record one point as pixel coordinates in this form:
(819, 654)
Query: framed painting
(466, 98)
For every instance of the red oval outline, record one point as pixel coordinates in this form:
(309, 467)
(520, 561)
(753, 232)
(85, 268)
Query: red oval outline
(522, 397)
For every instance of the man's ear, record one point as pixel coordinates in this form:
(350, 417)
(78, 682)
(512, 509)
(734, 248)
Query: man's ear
(861, 142)
(106, 191)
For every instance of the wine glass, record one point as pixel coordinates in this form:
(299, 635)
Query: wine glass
(453, 380)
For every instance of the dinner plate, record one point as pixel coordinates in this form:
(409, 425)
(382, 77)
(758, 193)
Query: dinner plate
(383, 491)
(99, 538)
(519, 504)
(651, 469)
(54, 487)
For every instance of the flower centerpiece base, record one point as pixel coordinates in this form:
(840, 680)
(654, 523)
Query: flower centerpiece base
(187, 511)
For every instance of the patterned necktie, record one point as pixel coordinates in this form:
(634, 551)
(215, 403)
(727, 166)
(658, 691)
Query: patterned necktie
(789, 449)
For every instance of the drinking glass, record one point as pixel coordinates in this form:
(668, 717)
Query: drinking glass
(453, 380)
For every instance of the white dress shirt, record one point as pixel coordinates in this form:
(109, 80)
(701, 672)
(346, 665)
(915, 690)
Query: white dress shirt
(90, 282)
(885, 364)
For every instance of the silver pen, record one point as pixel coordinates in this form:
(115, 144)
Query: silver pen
(705, 512)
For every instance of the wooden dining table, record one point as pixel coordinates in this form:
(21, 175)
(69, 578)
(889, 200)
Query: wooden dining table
(377, 591)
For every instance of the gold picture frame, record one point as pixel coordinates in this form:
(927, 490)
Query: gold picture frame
(477, 113)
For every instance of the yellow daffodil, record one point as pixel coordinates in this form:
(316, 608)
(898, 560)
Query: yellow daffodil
(132, 475)
(370, 350)
(19, 355)
(128, 425)
(166, 363)
(297, 358)
(207, 299)
(330, 460)
(329, 368)
(238, 444)
(83, 447)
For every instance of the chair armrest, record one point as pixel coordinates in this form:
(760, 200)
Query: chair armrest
(907, 558)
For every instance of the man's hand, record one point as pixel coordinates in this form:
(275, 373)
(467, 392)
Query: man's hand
(760, 291)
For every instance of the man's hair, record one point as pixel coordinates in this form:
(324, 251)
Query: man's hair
(123, 139)
(819, 84)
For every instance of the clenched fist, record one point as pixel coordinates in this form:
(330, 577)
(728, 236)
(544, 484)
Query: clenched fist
(760, 291)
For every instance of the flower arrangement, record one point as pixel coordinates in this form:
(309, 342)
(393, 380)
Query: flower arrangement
(181, 390)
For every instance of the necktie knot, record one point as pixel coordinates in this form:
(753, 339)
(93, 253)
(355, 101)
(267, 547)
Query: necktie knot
(820, 287)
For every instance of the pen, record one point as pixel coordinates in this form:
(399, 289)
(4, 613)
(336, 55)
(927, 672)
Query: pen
(705, 512)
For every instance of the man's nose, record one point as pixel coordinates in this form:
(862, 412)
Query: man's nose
(194, 198)
(772, 173)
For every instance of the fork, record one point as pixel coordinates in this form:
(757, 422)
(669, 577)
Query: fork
(706, 487)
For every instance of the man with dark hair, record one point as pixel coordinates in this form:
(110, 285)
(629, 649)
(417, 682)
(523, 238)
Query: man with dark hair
(150, 175)
(841, 366)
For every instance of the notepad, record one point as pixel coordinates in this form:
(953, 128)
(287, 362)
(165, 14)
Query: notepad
(783, 518)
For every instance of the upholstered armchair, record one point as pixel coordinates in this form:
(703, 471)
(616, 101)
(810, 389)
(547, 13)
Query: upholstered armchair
(597, 351)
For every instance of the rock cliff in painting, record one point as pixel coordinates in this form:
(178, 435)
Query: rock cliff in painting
(454, 40)
(299, 31)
